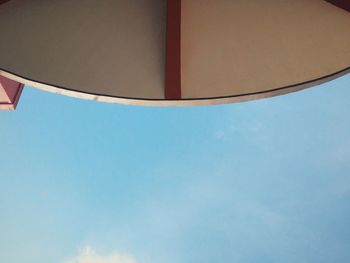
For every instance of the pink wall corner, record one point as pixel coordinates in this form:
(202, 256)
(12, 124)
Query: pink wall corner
(10, 92)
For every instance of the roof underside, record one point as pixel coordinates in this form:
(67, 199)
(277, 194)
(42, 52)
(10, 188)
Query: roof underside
(115, 51)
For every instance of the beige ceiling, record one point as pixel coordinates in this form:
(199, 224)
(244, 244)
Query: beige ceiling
(109, 49)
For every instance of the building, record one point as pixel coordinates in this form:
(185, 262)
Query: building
(171, 53)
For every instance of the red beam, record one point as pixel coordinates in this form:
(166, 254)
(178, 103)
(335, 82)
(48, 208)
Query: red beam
(344, 4)
(173, 50)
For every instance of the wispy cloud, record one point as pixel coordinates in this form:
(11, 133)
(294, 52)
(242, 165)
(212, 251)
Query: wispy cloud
(88, 255)
(220, 135)
(247, 128)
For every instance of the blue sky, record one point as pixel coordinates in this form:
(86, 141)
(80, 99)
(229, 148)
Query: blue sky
(263, 181)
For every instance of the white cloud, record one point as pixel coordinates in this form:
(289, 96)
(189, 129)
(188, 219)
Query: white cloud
(88, 255)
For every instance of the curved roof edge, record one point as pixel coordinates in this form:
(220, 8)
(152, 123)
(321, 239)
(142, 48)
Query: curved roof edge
(182, 102)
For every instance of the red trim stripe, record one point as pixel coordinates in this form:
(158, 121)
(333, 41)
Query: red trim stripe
(173, 51)
(344, 4)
